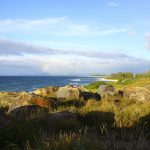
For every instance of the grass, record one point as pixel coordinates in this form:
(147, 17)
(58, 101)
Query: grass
(121, 84)
(96, 124)
(94, 86)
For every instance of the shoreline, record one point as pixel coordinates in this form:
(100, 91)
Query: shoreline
(73, 81)
(107, 80)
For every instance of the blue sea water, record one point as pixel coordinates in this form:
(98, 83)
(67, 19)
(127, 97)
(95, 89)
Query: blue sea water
(30, 83)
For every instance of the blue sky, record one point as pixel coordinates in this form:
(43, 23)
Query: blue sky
(80, 37)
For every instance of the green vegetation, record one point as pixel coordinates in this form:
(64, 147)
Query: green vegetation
(82, 125)
(97, 123)
(122, 75)
(94, 86)
(127, 79)
(143, 75)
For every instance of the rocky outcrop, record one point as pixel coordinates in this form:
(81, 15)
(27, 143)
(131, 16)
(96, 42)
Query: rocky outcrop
(49, 91)
(27, 112)
(68, 92)
(7, 98)
(107, 91)
(76, 93)
(26, 99)
(140, 94)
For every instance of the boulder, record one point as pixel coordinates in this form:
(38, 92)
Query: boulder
(140, 94)
(76, 93)
(26, 99)
(69, 93)
(7, 98)
(107, 91)
(27, 112)
(49, 91)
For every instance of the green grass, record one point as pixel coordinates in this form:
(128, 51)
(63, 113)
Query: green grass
(94, 86)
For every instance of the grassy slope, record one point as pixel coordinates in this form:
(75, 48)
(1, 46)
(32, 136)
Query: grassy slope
(122, 83)
(94, 86)
(100, 125)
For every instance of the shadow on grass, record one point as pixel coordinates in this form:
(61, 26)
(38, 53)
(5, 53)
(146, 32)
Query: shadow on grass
(90, 95)
(28, 123)
(69, 103)
(97, 119)
(144, 123)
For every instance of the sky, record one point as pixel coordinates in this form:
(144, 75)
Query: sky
(74, 37)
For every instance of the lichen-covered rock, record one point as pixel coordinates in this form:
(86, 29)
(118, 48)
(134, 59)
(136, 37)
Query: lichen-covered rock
(107, 91)
(7, 98)
(27, 112)
(69, 93)
(76, 93)
(141, 94)
(49, 91)
(26, 99)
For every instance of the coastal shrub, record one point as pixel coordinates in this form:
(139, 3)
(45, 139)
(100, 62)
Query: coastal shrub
(143, 75)
(122, 75)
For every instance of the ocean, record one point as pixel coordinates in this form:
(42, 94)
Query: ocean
(30, 83)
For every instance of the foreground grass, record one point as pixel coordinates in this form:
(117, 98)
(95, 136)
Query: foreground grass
(98, 125)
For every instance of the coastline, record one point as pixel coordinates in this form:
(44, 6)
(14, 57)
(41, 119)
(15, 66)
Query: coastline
(107, 80)
(29, 84)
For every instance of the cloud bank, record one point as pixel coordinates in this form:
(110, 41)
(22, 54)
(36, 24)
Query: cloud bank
(24, 59)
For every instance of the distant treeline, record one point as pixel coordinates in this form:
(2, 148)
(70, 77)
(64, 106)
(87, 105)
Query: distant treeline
(121, 75)
(129, 75)
(143, 75)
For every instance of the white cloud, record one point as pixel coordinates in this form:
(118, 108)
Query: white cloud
(72, 65)
(12, 48)
(61, 26)
(23, 59)
(113, 4)
(28, 24)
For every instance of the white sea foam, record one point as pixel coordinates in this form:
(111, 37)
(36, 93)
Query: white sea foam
(76, 80)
